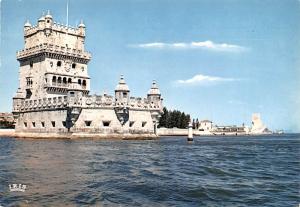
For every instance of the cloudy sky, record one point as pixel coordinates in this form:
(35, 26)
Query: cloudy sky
(215, 59)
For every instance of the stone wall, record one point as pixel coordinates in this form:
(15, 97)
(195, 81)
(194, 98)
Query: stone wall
(42, 121)
(91, 120)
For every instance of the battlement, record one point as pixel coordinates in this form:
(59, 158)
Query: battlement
(51, 48)
(42, 104)
(139, 103)
(92, 101)
(56, 27)
(48, 31)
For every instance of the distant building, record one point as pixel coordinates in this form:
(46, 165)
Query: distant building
(6, 117)
(205, 126)
(230, 130)
(7, 120)
(257, 125)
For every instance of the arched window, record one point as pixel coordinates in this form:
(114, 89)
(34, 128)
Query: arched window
(65, 81)
(69, 80)
(74, 65)
(58, 63)
(79, 81)
(84, 83)
(59, 81)
(54, 80)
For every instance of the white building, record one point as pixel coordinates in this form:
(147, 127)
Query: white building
(205, 126)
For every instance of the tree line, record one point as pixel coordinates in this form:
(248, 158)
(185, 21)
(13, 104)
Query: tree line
(174, 118)
(4, 124)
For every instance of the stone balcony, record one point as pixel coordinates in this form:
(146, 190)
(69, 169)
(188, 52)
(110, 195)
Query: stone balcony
(62, 88)
(50, 48)
(63, 85)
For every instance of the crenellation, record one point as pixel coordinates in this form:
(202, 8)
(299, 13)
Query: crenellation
(42, 104)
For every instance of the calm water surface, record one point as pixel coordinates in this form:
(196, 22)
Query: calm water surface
(211, 171)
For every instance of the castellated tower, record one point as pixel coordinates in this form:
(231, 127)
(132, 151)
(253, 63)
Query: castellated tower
(53, 97)
(53, 58)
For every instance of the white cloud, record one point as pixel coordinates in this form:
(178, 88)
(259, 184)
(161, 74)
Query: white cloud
(203, 79)
(193, 45)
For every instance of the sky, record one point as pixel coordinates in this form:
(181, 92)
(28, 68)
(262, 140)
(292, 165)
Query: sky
(214, 59)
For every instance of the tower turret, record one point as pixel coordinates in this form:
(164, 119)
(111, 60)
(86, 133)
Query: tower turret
(41, 21)
(154, 95)
(75, 95)
(81, 27)
(17, 102)
(48, 19)
(122, 92)
(27, 25)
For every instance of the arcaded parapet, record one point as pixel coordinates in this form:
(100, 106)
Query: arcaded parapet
(54, 84)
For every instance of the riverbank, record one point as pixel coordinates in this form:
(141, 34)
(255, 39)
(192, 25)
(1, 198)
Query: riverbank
(160, 133)
(11, 133)
(184, 132)
(7, 132)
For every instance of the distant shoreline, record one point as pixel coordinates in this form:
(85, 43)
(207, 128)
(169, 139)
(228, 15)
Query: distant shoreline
(10, 133)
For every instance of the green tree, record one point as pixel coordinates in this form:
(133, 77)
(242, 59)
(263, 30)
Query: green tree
(175, 118)
(163, 118)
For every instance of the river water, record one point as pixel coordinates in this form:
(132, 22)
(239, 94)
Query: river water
(211, 171)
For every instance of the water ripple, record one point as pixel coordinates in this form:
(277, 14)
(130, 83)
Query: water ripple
(211, 171)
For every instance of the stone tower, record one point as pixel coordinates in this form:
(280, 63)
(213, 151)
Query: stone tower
(53, 97)
(155, 102)
(122, 101)
(53, 60)
(154, 95)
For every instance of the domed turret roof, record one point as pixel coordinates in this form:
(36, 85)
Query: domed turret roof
(81, 24)
(27, 24)
(154, 89)
(122, 86)
(48, 16)
(42, 18)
